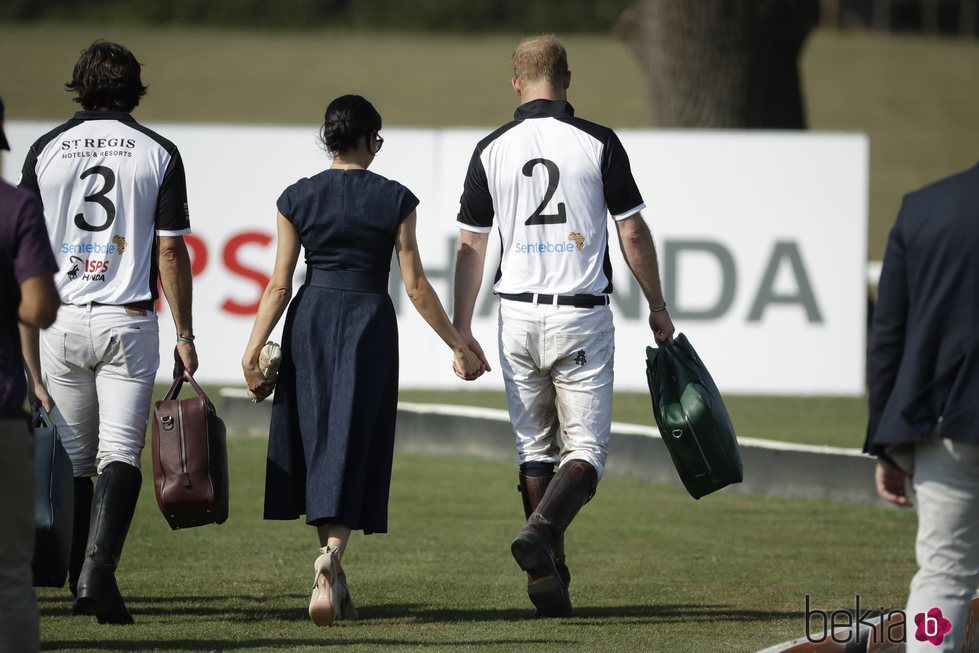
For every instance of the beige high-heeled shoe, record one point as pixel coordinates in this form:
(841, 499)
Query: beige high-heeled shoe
(347, 610)
(326, 599)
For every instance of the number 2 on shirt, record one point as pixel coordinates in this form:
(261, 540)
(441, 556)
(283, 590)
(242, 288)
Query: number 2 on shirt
(553, 177)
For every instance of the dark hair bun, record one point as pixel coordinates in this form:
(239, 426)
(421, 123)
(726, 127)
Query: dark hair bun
(348, 118)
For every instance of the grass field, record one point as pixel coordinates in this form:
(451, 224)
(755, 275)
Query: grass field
(914, 97)
(653, 571)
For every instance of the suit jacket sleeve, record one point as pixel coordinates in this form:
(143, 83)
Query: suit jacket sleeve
(889, 328)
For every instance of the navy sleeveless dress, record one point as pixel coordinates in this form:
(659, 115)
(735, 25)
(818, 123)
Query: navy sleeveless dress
(331, 438)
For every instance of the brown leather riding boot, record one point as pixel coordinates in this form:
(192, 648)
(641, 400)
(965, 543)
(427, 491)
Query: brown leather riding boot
(533, 548)
(532, 490)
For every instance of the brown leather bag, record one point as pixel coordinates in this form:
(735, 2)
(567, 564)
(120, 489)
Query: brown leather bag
(190, 457)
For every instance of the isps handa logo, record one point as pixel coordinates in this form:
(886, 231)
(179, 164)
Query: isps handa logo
(875, 627)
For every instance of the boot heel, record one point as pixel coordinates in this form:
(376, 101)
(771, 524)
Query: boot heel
(529, 553)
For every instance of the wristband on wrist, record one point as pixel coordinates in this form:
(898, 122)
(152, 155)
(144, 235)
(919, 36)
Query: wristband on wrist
(185, 339)
(658, 309)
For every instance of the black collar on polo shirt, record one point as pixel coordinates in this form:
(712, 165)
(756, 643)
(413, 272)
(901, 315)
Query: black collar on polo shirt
(103, 115)
(544, 109)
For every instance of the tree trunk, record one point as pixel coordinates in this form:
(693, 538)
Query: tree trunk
(722, 63)
(967, 17)
(830, 13)
(880, 17)
(929, 16)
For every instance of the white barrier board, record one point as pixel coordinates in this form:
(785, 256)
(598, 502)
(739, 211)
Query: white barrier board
(761, 239)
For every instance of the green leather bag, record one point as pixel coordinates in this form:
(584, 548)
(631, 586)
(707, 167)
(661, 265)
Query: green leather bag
(692, 418)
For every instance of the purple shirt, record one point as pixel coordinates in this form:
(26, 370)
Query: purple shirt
(25, 252)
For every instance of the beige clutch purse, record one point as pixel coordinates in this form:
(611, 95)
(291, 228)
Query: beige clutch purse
(268, 363)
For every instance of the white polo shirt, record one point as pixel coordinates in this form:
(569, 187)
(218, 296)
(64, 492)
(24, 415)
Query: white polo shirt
(550, 179)
(109, 186)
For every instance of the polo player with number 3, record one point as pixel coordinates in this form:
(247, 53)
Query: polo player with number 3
(115, 203)
(551, 179)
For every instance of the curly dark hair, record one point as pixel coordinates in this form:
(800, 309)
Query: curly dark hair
(107, 77)
(347, 119)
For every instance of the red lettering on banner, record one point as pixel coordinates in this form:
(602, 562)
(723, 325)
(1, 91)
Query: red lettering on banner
(236, 267)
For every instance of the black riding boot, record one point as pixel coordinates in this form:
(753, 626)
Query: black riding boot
(79, 536)
(533, 548)
(116, 492)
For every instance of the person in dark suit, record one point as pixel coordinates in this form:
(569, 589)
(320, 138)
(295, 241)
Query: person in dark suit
(924, 393)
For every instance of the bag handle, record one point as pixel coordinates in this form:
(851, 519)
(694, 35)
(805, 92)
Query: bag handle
(40, 417)
(180, 376)
(682, 357)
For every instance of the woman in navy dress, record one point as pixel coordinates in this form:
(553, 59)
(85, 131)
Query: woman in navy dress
(331, 438)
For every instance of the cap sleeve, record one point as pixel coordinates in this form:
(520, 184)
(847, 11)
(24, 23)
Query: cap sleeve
(408, 204)
(286, 204)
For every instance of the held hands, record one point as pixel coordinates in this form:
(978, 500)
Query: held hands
(462, 365)
(662, 325)
(467, 364)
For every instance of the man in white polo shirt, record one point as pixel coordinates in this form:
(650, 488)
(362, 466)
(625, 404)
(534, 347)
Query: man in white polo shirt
(115, 203)
(550, 179)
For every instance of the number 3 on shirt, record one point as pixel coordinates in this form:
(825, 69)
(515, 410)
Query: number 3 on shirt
(99, 198)
(553, 177)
